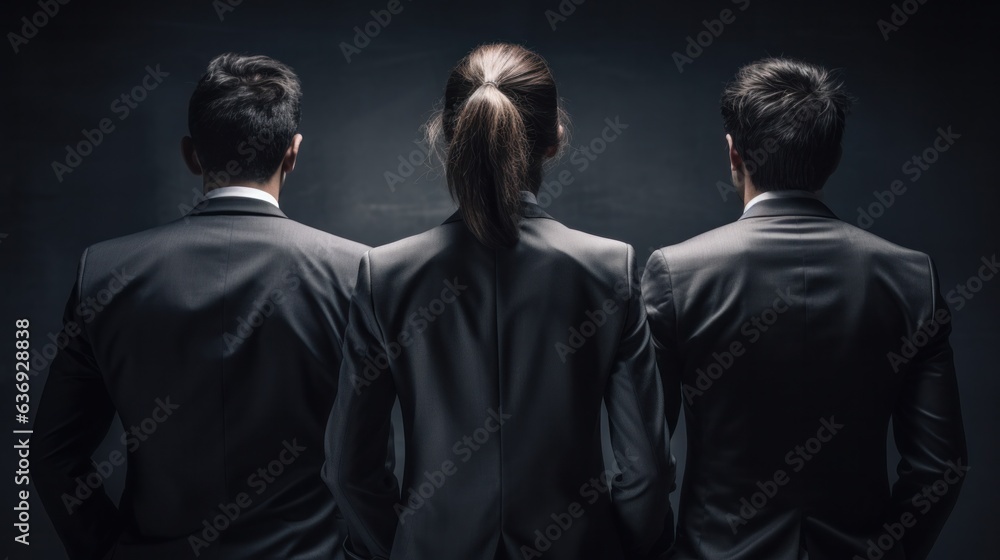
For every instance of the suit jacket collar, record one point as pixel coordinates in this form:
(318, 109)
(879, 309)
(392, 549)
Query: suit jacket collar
(528, 210)
(235, 205)
(792, 206)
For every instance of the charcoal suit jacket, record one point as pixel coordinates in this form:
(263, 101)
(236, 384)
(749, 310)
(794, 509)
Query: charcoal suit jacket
(501, 360)
(793, 339)
(217, 340)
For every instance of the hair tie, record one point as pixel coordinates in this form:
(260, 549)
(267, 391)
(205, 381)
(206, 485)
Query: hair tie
(491, 83)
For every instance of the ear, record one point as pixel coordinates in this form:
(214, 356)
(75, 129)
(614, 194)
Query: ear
(551, 151)
(735, 159)
(291, 154)
(190, 157)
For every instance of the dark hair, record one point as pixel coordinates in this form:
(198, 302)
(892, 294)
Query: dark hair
(501, 114)
(245, 109)
(787, 121)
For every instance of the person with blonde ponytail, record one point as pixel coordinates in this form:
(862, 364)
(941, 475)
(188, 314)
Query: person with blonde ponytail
(501, 332)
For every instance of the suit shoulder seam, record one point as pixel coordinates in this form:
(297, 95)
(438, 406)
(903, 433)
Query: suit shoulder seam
(371, 297)
(673, 296)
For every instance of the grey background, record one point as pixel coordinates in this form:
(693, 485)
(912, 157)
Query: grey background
(656, 184)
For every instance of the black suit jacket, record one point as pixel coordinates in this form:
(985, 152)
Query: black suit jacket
(217, 340)
(779, 332)
(500, 360)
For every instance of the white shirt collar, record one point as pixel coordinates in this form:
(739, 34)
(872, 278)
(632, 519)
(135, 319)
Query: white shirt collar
(528, 196)
(794, 193)
(245, 192)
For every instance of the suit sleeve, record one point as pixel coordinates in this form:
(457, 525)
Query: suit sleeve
(357, 468)
(657, 292)
(639, 435)
(930, 438)
(74, 415)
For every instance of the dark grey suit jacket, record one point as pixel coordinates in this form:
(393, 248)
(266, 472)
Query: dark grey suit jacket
(786, 335)
(217, 340)
(501, 360)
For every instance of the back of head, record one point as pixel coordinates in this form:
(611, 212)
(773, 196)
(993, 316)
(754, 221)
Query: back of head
(500, 119)
(787, 121)
(243, 115)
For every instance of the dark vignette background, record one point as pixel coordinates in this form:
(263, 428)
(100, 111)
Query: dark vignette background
(655, 184)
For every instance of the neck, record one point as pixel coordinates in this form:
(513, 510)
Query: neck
(750, 192)
(272, 187)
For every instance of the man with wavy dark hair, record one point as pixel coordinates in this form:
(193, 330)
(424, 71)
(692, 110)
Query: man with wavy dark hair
(216, 338)
(794, 339)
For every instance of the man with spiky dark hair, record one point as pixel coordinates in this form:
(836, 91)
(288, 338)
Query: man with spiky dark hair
(216, 338)
(793, 339)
